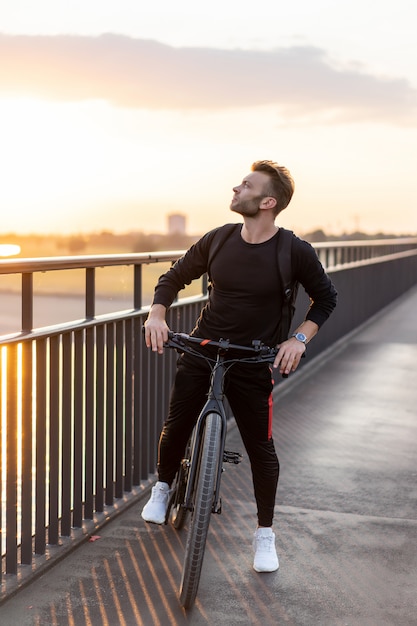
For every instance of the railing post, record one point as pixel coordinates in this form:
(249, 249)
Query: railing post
(137, 287)
(78, 454)
(128, 394)
(11, 462)
(27, 302)
(66, 434)
(119, 409)
(109, 474)
(90, 293)
(89, 423)
(27, 443)
(100, 417)
(54, 439)
(40, 511)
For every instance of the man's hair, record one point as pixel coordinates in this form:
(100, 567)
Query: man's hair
(281, 186)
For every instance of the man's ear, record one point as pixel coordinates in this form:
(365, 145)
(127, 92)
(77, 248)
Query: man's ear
(268, 202)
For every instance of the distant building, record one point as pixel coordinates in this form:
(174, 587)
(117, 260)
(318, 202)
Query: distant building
(177, 224)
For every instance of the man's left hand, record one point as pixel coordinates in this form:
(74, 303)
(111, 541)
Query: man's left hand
(289, 355)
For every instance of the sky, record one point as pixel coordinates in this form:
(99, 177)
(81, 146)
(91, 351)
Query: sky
(115, 114)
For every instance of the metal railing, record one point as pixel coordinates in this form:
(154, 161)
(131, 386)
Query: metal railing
(336, 254)
(82, 403)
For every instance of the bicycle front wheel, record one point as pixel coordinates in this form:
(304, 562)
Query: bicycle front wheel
(203, 503)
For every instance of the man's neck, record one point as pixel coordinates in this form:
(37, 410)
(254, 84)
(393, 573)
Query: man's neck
(257, 231)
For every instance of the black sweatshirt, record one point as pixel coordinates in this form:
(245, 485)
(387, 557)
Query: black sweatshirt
(245, 298)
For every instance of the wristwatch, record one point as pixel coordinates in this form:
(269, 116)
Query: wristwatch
(300, 337)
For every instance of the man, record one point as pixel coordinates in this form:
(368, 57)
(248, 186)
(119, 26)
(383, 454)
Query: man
(244, 304)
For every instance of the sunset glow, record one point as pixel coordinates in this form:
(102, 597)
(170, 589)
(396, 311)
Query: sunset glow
(111, 118)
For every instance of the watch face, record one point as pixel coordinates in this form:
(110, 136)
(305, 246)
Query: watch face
(301, 337)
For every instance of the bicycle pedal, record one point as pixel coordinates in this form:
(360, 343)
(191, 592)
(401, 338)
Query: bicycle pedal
(232, 457)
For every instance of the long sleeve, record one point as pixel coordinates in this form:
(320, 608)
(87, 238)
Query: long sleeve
(190, 266)
(310, 273)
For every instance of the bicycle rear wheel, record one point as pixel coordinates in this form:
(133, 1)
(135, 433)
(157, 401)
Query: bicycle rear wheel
(203, 503)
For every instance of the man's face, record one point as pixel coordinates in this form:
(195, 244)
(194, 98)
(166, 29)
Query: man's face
(248, 196)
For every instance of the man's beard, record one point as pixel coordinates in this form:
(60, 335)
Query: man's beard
(247, 208)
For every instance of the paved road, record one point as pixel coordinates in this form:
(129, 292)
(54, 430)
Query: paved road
(346, 515)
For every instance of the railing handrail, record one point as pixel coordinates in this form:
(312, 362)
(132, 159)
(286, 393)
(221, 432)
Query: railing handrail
(43, 264)
(355, 243)
(372, 260)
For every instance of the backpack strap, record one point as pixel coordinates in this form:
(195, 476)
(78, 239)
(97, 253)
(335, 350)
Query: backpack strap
(220, 236)
(289, 285)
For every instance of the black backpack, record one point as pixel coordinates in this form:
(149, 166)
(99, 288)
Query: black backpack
(289, 285)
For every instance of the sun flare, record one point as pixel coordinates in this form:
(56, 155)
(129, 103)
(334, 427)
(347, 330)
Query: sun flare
(8, 249)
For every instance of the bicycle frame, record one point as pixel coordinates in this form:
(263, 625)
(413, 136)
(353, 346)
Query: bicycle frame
(214, 403)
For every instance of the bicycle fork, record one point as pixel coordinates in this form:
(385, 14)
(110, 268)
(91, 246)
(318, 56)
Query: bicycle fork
(215, 405)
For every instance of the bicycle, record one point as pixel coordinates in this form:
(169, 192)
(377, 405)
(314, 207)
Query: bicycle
(196, 488)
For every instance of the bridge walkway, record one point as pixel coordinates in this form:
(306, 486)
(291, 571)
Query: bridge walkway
(346, 515)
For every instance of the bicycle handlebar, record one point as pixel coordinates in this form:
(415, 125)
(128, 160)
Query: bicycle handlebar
(261, 352)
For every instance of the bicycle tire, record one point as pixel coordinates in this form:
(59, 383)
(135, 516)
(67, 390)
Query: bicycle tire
(203, 504)
(178, 512)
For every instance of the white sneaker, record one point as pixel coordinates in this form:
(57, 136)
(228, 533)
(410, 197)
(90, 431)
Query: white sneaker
(156, 508)
(266, 559)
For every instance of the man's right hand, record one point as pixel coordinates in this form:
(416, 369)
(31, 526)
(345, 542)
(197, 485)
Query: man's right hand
(156, 328)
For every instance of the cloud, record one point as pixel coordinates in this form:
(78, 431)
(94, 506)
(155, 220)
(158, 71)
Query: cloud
(301, 81)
